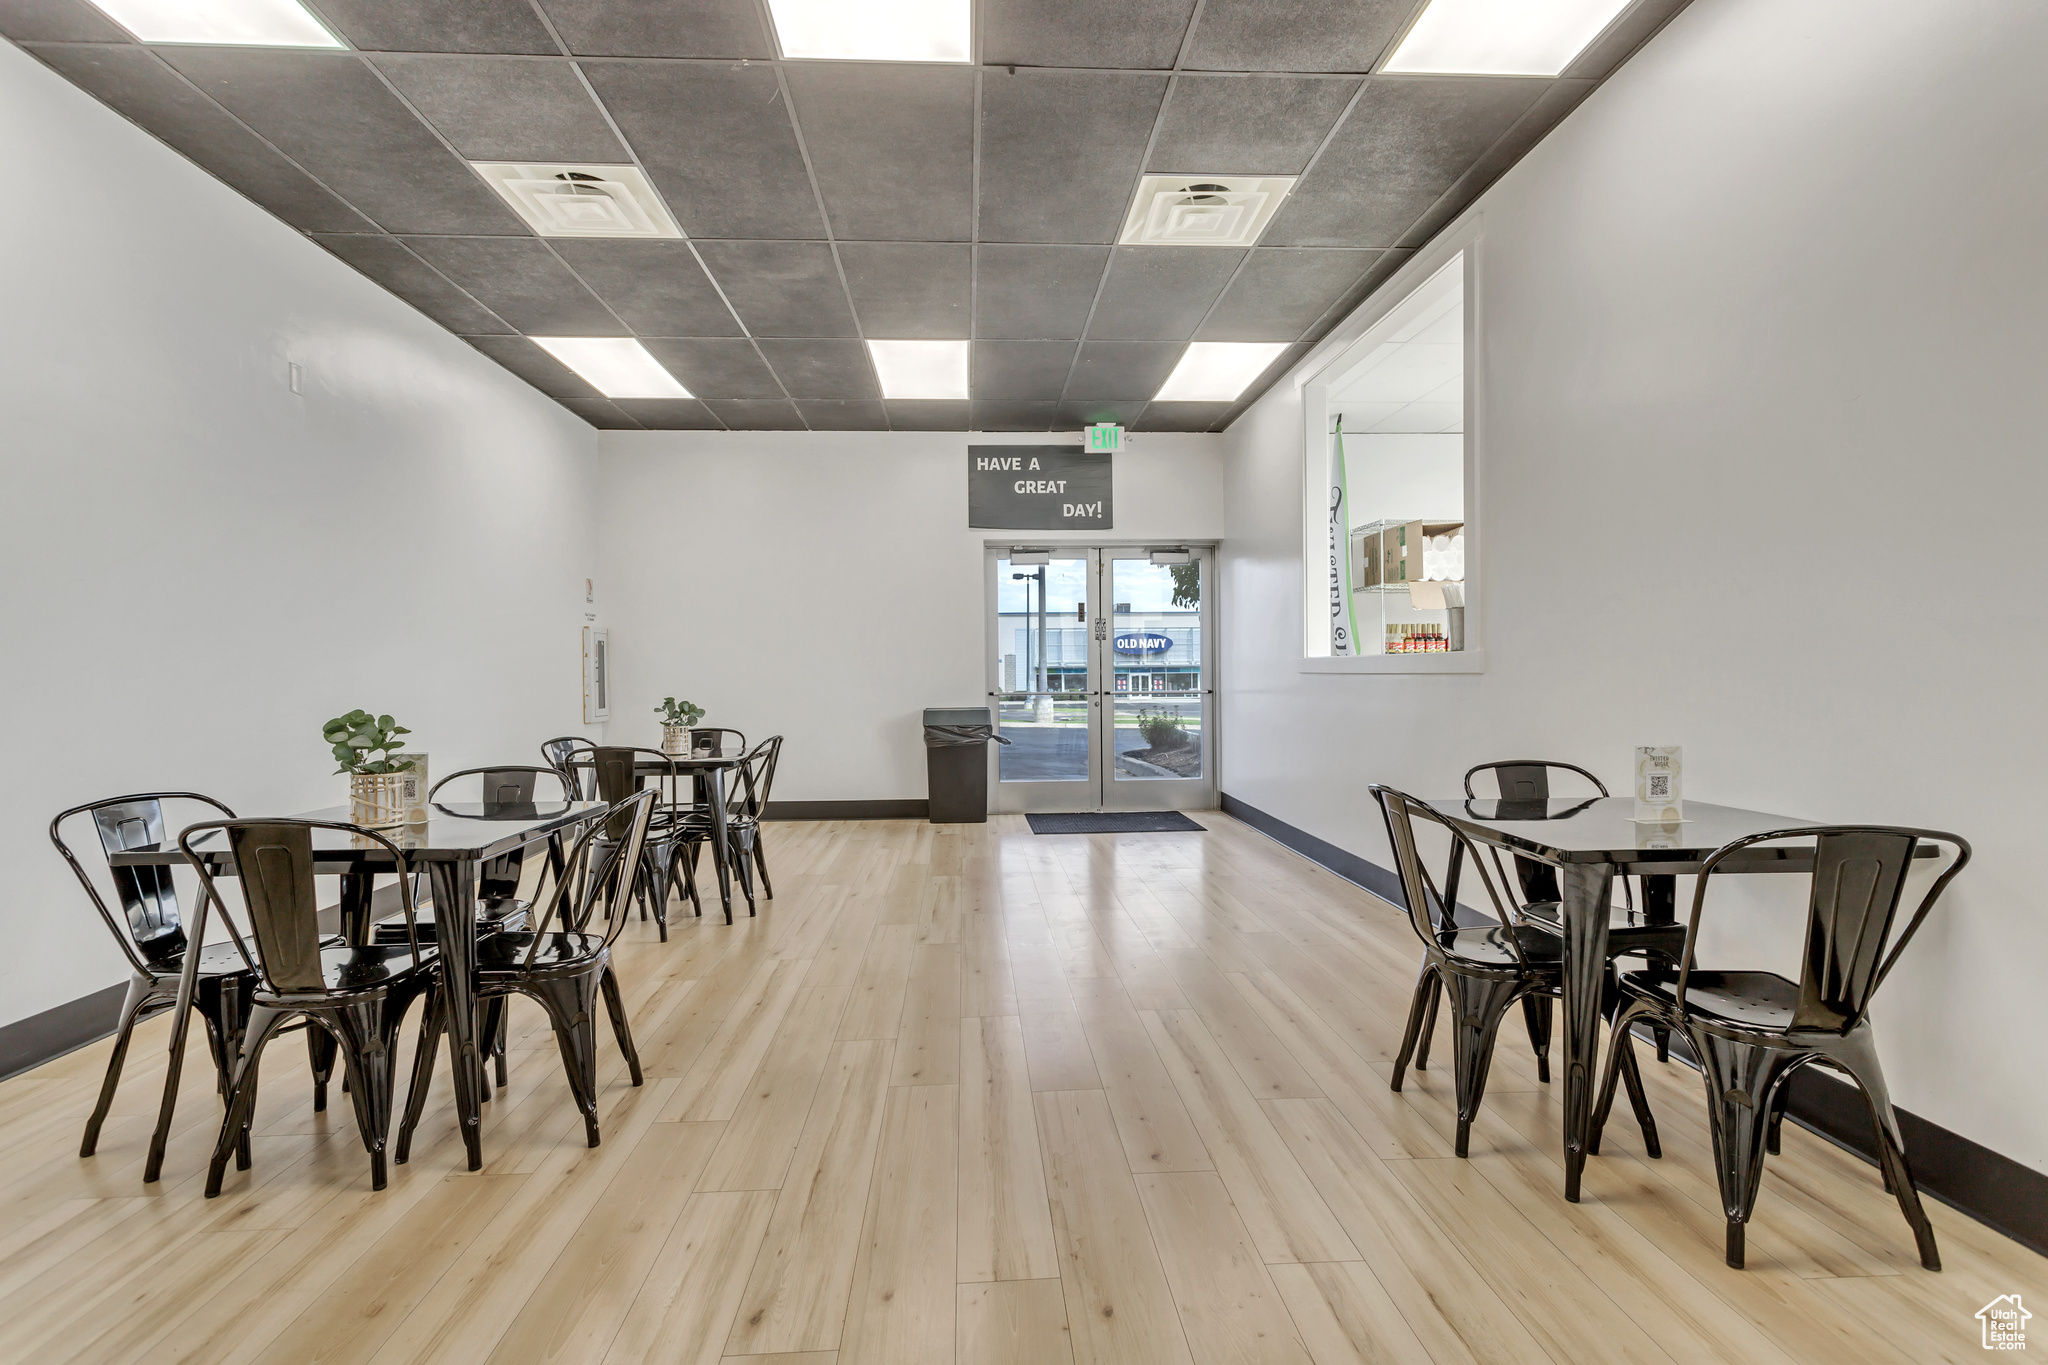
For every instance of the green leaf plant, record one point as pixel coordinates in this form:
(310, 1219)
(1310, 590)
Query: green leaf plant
(673, 712)
(358, 735)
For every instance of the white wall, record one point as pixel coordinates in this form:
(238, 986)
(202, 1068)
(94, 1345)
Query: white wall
(1762, 335)
(200, 566)
(825, 585)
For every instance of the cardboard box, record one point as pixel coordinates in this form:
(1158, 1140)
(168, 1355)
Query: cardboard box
(1365, 557)
(1401, 548)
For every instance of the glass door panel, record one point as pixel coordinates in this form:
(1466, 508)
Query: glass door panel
(1042, 686)
(1155, 666)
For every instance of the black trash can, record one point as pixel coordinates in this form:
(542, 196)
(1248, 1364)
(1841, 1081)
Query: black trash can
(956, 742)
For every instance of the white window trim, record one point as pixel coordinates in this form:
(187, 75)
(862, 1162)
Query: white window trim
(1314, 384)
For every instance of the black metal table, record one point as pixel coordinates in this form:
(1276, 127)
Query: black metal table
(1589, 841)
(448, 846)
(707, 773)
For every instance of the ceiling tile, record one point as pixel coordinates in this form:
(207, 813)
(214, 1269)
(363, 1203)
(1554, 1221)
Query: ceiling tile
(1088, 412)
(132, 82)
(1035, 291)
(656, 287)
(506, 109)
(822, 369)
(717, 368)
(1060, 153)
(57, 21)
(661, 28)
(1011, 416)
(927, 414)
(1020, 369)
(1181, 416)
(1246, 125)
(1122, 369)
(765, 415)
(527, 360)
(521, 281)
(892, 146)
(668, 414)
(910, 290)
(385, 260)
(600, 413)
(837, 416)
(1406, 142)
(331, 114)
(1123, 33)
(1295, 35)
(781, 289)
(718, 142)
(1160, 293)
(1558, 98)
(444, 26)
(1280, 294)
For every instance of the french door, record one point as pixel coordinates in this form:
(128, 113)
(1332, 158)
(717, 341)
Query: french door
(1100, 671)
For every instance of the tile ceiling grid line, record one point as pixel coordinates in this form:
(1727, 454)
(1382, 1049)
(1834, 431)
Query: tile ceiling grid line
(1187, 41)
(831, 241)
(583, 79)
(1343, 116)
(293, 162)
(576, 69)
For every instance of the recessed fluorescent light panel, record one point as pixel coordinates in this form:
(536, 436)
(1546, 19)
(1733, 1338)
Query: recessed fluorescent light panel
(618, 367)
(1502, 37)
(875, 30)
(921, 369)
(580, 201)
(1203, 210)
(1217, 371)
(227, 23)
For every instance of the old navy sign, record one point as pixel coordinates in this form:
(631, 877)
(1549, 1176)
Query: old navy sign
(1143, 642)
(1038, 488)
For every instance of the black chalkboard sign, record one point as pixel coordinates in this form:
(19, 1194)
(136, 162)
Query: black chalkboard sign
(1039, 488)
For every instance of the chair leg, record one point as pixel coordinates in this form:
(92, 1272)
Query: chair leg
(689, 867)
(1857, 1056)
(366, 1029)
(570, 1001)
(260, 1028)
(502, 1043)
(657, 882)
(1478, 1004)
(1423, 1002)
(1639, 1101)
(1536, 1014)
(615, 1006)
(320, 1051)
(1428, 1028)
(222, 1003)
(433, 1021)
(761, 867)
(1740, 1079)
(1618, 1044)
(140, 989)
(1774, 1135)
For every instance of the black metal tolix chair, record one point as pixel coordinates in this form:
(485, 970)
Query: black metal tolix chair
(556, 752)
(744, 806)
(564, 970)
(151, 931)
(357, 994)
(1751, 1030)
(1484, 969)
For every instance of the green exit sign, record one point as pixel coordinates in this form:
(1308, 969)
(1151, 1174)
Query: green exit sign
(1105, 438)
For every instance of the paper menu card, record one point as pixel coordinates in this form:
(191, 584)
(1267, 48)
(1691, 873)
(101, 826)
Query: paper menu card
(1660, 788)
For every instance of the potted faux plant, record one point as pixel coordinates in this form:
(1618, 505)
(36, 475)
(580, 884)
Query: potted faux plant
(676, 719)
(366, 747)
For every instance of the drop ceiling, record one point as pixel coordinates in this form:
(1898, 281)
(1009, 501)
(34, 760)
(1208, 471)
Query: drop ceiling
(827, 203)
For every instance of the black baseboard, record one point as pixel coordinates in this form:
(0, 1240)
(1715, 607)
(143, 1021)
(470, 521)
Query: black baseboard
(1997, 1191)
(916, 809)
(40, 1038)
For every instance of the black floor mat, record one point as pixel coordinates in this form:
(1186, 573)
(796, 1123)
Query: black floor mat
(1114, 822)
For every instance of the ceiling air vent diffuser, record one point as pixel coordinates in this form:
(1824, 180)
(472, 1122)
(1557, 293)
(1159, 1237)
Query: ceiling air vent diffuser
(1203, 210)
(581, 201)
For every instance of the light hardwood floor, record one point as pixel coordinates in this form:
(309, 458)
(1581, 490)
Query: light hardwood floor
(966, 1094)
